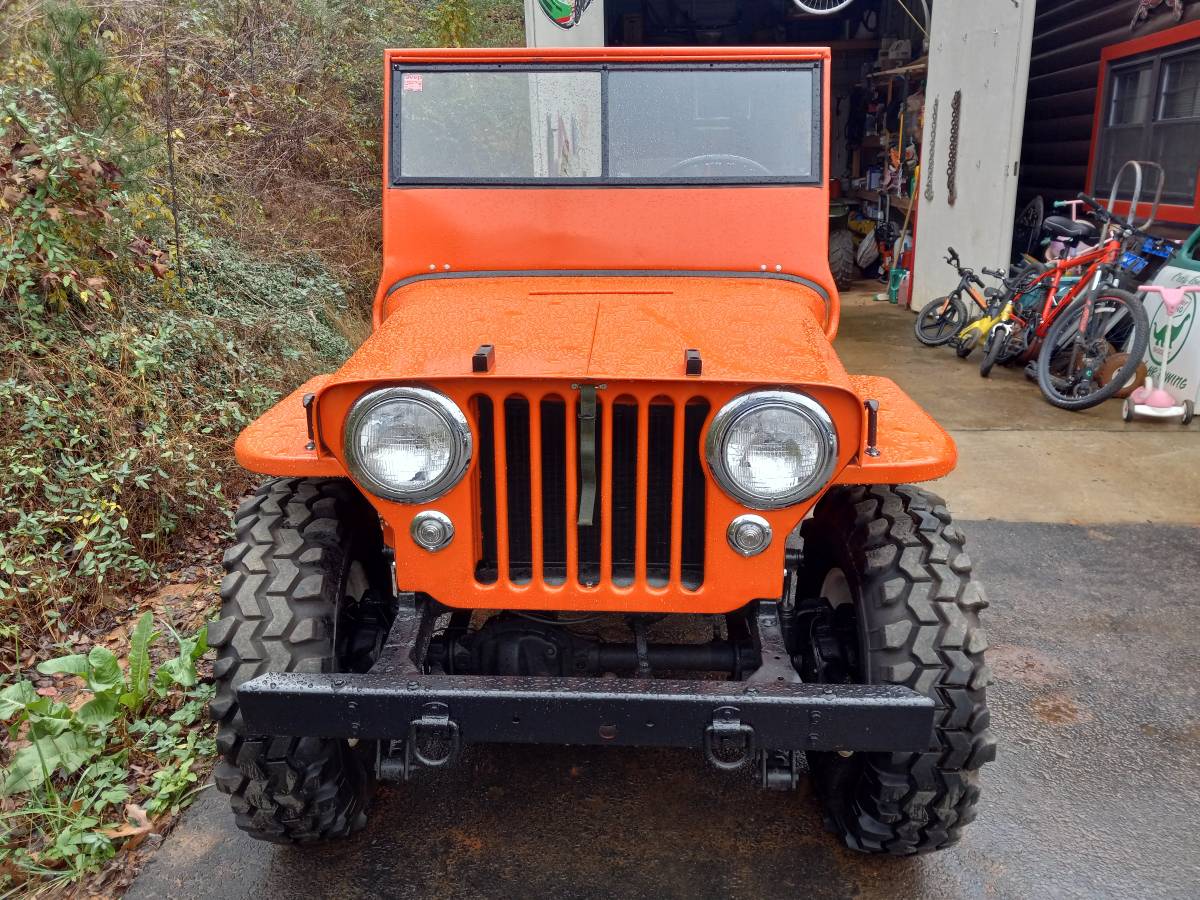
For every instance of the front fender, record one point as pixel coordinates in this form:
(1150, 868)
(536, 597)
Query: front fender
(911, 446)
(277, 442)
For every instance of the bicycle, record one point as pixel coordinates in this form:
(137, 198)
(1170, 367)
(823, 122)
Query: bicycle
(976, 332)
(828, 7)
(1017, 296)
(942, 319)
(1072, 337)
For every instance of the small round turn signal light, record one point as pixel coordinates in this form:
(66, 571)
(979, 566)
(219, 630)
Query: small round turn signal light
(431, 530)
(749, 535)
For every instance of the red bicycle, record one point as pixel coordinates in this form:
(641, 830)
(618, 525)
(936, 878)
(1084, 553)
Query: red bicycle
(1072, 334)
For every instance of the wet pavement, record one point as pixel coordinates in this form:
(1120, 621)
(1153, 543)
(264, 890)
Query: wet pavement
(1095, 792)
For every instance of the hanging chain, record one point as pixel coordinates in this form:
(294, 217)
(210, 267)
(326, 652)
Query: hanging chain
(952, 154)
(929, 155)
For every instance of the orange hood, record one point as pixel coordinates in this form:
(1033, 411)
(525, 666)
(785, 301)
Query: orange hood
(754, 329)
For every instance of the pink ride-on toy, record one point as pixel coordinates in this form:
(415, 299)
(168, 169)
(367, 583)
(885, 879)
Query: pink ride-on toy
(1155, 401)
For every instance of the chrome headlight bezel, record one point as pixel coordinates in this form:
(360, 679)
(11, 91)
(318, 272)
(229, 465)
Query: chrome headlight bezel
(439, 404)
(753, 401)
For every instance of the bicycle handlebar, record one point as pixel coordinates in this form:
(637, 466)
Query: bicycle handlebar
(1095, 205)
(994, 273)
(953, 259)
(1108, 218)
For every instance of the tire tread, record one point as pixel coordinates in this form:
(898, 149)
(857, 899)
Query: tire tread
(278, 598)
(923, 632)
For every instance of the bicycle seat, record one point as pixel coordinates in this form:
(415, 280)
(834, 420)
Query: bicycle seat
(1071, 229)
(992, 293)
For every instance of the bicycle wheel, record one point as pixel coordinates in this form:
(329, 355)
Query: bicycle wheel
(997, 341)
(966, 344)
(822, 7)
(1077, 346)
(940, 320)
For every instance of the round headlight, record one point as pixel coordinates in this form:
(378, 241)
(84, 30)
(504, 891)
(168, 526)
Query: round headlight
(407, 444)
(770, 449)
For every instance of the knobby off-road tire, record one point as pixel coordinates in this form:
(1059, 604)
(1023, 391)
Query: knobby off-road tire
(917, 608)
(306, 571)
(842, 261)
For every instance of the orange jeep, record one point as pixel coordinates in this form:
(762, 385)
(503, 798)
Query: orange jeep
(598, 475)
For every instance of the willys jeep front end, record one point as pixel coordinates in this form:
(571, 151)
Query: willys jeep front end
(601, 399)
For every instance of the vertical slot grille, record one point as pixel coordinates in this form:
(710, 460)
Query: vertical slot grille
(517, 460)
(554, 490)
(648, 522)
(692, 549)
(661, 453)
(486, 568)
(624, 491)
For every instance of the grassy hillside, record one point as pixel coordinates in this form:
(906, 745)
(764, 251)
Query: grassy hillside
(188, 228)
(189, 195)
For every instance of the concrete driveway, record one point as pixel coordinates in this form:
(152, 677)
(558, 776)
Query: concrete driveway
(1094, 628)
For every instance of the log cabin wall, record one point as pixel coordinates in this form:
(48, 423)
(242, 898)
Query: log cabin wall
(1068, 37)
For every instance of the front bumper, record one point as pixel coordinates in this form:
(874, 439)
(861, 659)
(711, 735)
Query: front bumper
(770, 710)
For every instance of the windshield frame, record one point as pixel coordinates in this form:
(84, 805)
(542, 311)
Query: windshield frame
(816, 130)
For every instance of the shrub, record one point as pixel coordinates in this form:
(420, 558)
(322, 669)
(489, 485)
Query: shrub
(124, 385)
(62, 200)
(116, 426)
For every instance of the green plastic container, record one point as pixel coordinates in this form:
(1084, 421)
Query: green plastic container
(1182, 377)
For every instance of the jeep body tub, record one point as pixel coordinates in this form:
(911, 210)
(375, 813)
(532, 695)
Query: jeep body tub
(596, 264)
(610, 285)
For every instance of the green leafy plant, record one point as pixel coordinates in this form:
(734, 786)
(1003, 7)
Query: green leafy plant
(58, 743)
(180, 671)
(63, 198)
(140, 638)
(61, 740)
(70, 768)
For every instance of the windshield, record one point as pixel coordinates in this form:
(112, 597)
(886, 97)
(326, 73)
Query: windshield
(606, 124)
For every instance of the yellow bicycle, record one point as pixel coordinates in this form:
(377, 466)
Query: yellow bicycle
(977, 331)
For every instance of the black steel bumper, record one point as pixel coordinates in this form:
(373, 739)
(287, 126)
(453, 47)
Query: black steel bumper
(770, 710)
(589, 710)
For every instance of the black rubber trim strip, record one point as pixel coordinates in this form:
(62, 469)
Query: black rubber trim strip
(608, 273)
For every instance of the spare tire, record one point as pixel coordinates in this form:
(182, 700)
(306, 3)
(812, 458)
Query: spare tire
(841, 257)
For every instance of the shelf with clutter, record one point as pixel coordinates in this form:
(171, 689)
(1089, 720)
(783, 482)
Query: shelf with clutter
(880, 163)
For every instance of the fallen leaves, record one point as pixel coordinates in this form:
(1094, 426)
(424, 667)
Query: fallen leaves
(134, 831)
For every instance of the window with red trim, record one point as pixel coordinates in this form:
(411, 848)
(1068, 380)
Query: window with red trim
(1152, 111)
(1148, 108)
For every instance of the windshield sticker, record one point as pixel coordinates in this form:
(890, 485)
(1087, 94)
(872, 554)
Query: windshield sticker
(564, 13)
(414, 81)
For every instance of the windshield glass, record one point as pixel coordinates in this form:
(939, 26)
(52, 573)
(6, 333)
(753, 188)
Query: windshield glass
(670, 124)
